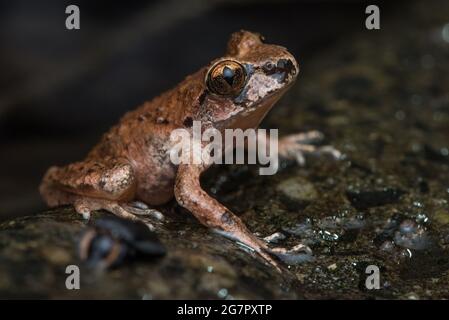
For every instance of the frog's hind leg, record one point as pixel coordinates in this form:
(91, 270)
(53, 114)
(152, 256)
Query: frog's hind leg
(91, 185)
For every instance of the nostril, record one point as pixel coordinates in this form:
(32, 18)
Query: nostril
(284, 69)
(286, 66)
(283, 63)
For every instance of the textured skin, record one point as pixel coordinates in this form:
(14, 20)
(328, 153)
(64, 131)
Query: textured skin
(131, 160)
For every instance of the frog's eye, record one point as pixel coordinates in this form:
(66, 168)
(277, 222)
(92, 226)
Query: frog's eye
(226, 78)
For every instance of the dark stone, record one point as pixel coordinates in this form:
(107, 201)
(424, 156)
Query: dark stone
(363, 199)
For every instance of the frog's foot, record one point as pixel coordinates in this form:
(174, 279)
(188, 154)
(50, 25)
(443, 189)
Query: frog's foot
(249, 241)
(211, 213)
(296, 146)
(139, 208)
(85, 206)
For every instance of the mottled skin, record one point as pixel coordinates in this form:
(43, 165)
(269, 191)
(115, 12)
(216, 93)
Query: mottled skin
(131, 162)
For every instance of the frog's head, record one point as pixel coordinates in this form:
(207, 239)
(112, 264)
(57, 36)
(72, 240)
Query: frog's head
(245, 83)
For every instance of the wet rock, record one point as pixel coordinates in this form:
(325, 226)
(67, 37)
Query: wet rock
(403, 232)
(299, 254)
(412, 236)
(295, 258)
(412, 246)
(35, 251)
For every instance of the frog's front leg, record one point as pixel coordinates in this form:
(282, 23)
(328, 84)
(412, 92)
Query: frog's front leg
(295, 146)
(210, 212)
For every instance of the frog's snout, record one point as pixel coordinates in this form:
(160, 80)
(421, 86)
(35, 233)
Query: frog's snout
(285, 69)
(289, 67)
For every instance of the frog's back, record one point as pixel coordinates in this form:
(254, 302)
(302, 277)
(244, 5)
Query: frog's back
(142, 137)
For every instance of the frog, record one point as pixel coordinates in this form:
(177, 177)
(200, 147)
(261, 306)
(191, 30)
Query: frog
(129, 171)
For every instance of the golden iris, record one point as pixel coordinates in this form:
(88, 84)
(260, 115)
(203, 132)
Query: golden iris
(226, 78)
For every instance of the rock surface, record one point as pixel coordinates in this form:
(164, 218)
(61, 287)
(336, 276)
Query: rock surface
(381, 98)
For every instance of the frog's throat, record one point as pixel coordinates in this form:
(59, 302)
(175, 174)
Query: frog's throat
(252, 117)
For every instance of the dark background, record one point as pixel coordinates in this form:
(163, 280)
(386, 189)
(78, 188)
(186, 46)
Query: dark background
(60, 89)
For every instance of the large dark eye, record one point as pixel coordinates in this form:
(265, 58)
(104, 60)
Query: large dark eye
(226, 78)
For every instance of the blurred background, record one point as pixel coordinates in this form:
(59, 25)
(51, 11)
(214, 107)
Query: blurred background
(60, 89)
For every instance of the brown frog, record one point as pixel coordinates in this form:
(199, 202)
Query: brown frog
(130, 167)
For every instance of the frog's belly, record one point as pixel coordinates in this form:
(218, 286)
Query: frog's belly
(155, 183)
(154, 171)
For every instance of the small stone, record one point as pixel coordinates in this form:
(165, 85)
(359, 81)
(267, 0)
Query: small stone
(412, 296)
(297, 255)
(297, 192)
(387, 246)
(332, 267)
(363, 198)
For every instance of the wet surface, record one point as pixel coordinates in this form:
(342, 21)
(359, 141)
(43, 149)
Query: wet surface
(381, 100)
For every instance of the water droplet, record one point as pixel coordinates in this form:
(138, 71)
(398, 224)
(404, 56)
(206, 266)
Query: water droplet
(409, 253)
(418, 204)
(222, 293)
(422, 218)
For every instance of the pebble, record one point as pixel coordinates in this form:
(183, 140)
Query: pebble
(297, 192)
(365, 197)
(332, 267)
(297, 255)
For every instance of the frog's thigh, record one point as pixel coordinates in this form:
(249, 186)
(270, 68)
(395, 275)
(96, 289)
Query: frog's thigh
(111, 179)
